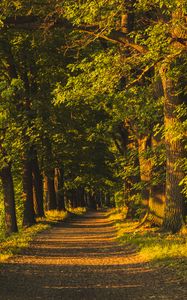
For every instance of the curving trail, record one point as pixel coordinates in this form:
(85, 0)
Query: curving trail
(79, 259)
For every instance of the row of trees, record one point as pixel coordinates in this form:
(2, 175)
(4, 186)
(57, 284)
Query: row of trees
(51, 157)
(137, 72)
(96, 91)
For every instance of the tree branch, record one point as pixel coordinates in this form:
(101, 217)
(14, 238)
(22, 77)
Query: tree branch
(114, 37)
(146, 70)
(35, 22)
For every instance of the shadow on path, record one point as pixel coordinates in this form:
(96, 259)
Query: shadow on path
(81, 260)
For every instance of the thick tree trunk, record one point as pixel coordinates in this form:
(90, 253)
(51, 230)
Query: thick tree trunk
(157, 204)
(9, 200)
(173, 218)
(59, 187)
(28, 214)
(38, 187)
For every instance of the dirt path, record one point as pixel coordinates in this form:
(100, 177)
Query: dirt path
(81, 260)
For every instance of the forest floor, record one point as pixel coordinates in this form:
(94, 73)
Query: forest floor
(80, 259)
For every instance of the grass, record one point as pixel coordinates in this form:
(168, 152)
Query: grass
(16, 242)
(77, 210)
(54, 216)
(161, 249)
(117, 215)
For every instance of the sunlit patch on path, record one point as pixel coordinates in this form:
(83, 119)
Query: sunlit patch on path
(80, 259)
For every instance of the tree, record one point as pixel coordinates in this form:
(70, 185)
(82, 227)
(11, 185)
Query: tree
(117, 52)
(156, 43)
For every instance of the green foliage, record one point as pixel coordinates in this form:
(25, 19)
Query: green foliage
(101, 12)
(119, 199)
(74, 88)
(166, 6)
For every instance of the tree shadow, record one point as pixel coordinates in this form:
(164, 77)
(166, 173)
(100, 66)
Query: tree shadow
(74, 261)
(90, 281)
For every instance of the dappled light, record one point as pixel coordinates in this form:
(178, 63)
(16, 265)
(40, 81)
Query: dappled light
(74, 260)
(93, 165)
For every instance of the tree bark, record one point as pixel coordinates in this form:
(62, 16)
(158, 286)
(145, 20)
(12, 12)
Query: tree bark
(38, 187)
(157, 190)
(127, 19)
(157, 204)
(52, 202)
(59, 187)
(28, 214)
(145, 168)
(9, 199)
(173, 218)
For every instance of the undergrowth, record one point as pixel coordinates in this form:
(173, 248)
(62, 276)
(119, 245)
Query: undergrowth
(77, 210)
(13, 244)
(161, 249)
(17, 241)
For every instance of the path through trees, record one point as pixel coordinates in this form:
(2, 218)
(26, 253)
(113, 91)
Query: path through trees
(80, 259)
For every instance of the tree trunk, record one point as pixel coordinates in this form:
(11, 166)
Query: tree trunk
(86, 198)
(92, 202)
(98, 200)
(46, 194)
(59, 187)
(52, 202)
(73, 198)
(157, 190)
(173, 218)
(157, 204)
(82, 197)
(145, 168)
(127, 19)
(9, 200)
(28, 214)
(38, 187)
(107, 200)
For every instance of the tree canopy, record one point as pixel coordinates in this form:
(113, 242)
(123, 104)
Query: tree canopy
(93, 106)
